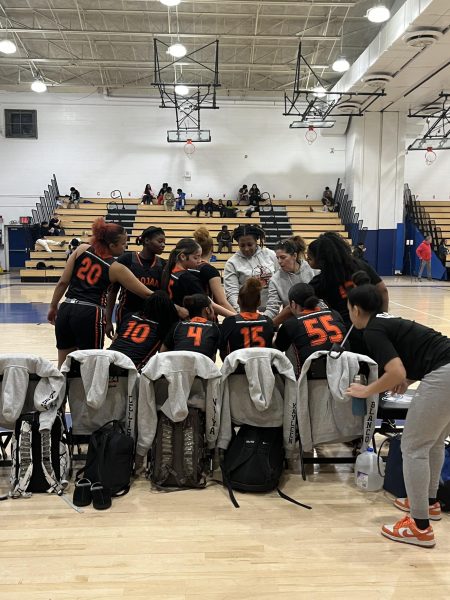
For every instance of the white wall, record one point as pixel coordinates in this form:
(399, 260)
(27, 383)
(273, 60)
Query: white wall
(99, 144)
(428, 182)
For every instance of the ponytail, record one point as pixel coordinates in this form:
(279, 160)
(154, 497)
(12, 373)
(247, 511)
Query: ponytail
(303, 294)
(250, 294)
(185, 246)
(294, 245)
(104, 234)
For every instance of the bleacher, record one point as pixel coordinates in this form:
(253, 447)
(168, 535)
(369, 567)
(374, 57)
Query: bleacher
(439, 211)
(177, 224)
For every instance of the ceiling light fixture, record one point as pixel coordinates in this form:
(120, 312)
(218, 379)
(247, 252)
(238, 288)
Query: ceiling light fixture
(38, 86)
(319, 91)
(378, 14)
(7, 46)
(341, 65)
(170, 2)
(177, 50)
(181, 90)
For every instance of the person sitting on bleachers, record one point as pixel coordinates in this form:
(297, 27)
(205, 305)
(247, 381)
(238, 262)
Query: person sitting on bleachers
(199, 207)
(254, 195)
(55, 226)
(248, 329)
(311, 328)
(198, 333)
(148, 196)
(74, 198)
(73, 245)
(181, 200)
(243, 195)
(230, 211)
(162, 191)
(140, 336)
(169, 199)
(210, 207)
(327, 197)
(224, 238)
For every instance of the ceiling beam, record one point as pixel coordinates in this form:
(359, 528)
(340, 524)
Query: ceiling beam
(154, 34)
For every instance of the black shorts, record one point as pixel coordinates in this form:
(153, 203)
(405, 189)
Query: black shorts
(79, 326)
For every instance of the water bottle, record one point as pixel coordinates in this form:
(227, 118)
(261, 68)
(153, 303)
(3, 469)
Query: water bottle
(359, 405)
(367, 477)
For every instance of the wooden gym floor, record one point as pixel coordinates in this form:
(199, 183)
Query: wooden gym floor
(193, 545)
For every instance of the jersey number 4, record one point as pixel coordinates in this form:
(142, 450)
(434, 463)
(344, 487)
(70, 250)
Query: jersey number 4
(196, 334)
(137, 332)
(320, 330)
(89, 272)
(252, 337)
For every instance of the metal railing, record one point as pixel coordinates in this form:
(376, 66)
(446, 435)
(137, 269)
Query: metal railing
(117, 195)
(47, 203)
(348, 215)
(421, 218)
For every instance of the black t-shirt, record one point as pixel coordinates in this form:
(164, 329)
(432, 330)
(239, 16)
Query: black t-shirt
(336, 297)
(138, 339)
(421, 349)
(54, 223)
(196, 335)
(90, 278)
(45, 229)
(245, 330)
(310, 332)
(148, 271)
(205, 273)
(183, 283)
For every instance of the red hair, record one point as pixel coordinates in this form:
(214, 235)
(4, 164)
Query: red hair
(104, 234)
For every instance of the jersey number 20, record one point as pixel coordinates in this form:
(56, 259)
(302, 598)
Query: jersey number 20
(89, 272)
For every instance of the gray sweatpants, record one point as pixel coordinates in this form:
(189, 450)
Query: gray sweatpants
(427, 425)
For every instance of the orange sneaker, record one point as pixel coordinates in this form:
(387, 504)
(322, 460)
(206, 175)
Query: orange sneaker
(434, 511)
(406, 531)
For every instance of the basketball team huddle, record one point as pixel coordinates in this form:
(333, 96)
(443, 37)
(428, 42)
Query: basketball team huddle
(270, 298)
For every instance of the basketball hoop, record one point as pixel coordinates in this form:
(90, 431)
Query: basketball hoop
(189, 148)
(430, 156)
(311, 135)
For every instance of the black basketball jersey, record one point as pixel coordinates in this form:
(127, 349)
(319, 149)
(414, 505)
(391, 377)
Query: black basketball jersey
(205, 273)
(90, 278)
(310, 332)
(183, 283)
(137, 338)
(196, 335)
(148, 272)
(245, 330)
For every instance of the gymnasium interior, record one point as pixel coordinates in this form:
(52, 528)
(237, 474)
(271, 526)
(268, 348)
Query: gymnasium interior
(106, 97)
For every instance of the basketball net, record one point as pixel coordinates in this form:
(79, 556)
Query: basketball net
(311, 135)
(430, 156)
(189, 148)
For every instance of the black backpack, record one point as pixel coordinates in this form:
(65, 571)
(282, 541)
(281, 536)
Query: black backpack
(178, 455)
(254, 462)
(110, 458)
(40, 460)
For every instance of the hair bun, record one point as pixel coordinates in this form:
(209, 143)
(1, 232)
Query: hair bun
(201, 235)
(360, 278)
(99, 228)
(252, 284)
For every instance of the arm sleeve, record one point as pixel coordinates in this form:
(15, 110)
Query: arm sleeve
(273, 301)
(231, 284)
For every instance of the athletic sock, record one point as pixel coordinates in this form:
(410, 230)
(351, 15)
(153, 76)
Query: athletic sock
(432, 501)
(422, 523)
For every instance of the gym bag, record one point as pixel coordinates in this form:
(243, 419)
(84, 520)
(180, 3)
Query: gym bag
(40, 459)
(393, 472)
(110, 458)
(254, 462)
(178, 455)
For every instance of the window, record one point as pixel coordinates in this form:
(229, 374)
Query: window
(20, 123)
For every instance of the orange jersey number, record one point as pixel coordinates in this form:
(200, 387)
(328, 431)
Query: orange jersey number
(137, 332)
(196, 334)
(321, 329)
(252, 337)
(89, 272)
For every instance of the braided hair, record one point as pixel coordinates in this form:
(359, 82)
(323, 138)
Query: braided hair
(160, 308)
(333, 256)
(254, 230)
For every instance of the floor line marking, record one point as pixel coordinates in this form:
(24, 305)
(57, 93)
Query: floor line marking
(420, 311)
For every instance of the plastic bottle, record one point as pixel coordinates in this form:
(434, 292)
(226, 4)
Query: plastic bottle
(367, 477)
(359, 405)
